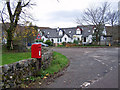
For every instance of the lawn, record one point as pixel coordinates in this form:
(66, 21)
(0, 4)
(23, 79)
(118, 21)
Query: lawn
(58, 63)
(11, 57)
(83, 46)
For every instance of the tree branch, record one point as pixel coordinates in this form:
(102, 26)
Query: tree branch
(26, 4)
(9, 11)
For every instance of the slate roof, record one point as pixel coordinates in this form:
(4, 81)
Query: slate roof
(68, 30)
(53, 33)
(87, 31)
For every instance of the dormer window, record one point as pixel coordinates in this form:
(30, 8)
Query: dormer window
(78, 31)
(69, 31)
(60, 33)
(48, 33)
(88, 30)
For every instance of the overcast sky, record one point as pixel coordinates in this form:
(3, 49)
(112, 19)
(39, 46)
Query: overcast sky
(51, 13)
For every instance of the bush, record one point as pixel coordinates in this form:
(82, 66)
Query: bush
(64, 43)
(39, 40)
(19, 45)
(75, 41)
(48, 42)
(69, 43)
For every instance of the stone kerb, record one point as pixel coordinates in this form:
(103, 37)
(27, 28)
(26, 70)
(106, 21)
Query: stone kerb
(15, 74)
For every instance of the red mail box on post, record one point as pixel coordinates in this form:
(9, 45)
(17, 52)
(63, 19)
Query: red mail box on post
(36, 51)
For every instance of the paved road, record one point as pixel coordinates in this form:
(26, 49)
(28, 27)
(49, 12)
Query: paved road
(89, 67)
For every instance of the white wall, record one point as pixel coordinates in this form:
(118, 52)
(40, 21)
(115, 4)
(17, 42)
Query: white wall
(43, 37)
(88, 40)
(67, 38)
(54, 40)
(76, 37)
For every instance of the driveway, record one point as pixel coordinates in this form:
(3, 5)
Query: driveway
(89, 67)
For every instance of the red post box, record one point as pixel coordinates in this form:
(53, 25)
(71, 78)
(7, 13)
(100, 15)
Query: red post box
(36, 51)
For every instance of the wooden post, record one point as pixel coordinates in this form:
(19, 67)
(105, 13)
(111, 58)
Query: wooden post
(39, 60)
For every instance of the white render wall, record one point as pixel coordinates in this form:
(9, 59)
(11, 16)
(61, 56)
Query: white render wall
(88, 40)
(76, 37)
(54, 40)
(43, 37)
(67, 38)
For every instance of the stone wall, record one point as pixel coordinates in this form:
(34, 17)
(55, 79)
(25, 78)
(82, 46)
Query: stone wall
(15, 74)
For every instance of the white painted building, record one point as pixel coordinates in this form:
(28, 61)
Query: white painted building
(59, 36)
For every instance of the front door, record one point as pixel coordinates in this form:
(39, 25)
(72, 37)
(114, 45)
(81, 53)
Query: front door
(84, 39)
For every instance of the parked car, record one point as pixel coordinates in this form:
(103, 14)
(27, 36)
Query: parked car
(41, 44)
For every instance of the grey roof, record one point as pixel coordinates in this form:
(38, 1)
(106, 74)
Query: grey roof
(53, 33)
(68, 30)
(86, 30)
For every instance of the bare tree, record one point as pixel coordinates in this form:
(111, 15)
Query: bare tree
(96, 16)
(113, 18)
(11, 13)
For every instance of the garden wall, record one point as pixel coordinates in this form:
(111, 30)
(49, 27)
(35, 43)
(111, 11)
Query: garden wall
(15, 74)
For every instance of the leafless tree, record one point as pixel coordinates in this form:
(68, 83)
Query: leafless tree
(96, 16)
(12, 12)
(113, 18)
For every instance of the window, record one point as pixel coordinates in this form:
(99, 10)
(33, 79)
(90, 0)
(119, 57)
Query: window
(60, 40)
(78, 31)
(52, 40)
(60, 33)
(78, 39)
(69, 31)
(65, 39)
(84, 39)
(88, 30)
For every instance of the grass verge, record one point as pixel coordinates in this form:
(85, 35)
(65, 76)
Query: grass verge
(11, 57)
(59, 62)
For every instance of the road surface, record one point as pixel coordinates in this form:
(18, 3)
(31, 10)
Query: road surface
(89, 68)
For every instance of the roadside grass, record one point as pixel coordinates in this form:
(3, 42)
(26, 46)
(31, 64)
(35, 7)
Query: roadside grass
(11, 57)
(58, 63)
(83, 46)
(89, 46)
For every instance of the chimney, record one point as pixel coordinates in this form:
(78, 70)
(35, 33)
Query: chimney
(58, 29)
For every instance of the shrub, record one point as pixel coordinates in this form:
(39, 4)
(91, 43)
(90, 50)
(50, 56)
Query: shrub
(75, 41)
(19, 45)
(64, 43)
(69, 42)
(48, 42)
(39, 40)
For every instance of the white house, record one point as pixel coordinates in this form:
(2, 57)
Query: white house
(60, 35)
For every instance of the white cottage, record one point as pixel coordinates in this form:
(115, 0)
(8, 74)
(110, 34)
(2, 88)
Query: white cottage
(60, 35)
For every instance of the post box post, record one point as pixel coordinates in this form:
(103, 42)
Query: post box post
(36, 52)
